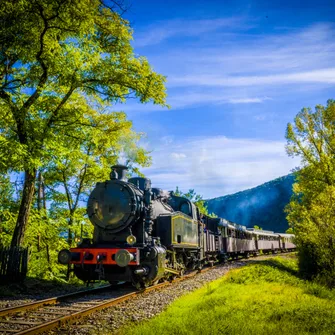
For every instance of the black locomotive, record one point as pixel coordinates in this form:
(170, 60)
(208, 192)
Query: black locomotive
(144, 234)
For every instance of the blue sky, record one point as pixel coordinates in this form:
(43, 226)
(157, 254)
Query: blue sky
(237, 73)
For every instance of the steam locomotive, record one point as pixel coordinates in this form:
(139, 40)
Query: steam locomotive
(143, 235)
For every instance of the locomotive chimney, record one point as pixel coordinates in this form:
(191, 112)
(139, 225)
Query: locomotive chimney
(121, 171)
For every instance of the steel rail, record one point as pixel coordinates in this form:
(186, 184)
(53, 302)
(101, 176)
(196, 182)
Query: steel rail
(72, 316)
(50, 301)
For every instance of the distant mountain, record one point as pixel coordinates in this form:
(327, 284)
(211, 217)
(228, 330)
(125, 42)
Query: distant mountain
(262, 205)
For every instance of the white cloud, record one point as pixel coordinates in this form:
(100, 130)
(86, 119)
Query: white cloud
(301, 50)
(247, 100)
(193, 99)
(244, 68)
(217, 166)
(326, 76)
(177, 156)
(260, 117)
(163, 30)
(167, 139)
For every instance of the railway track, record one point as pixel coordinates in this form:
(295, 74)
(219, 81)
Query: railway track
(43, 315)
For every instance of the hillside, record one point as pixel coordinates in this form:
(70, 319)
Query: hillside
(262, 205)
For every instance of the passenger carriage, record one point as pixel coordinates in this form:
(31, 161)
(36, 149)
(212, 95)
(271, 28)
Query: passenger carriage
(266, 241)
(237, 240)
(287, 242)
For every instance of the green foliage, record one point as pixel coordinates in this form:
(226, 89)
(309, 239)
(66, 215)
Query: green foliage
(44, 245)
(311, 210)
(8, 207)
(257, 227)
(63, 64)
(44, 242)
(262, 298)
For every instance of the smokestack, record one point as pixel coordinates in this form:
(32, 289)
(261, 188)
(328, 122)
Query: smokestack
(121, 171)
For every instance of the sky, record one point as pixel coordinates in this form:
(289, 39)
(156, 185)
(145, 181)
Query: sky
(237, 73)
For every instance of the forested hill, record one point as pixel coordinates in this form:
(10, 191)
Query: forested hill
(262, 205)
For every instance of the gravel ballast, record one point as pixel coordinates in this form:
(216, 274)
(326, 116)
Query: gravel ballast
(144, 306)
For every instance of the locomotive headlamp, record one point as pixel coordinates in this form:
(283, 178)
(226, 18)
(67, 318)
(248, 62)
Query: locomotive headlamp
(78, 240)
(123, 258)
(64, 256)
(131, 239)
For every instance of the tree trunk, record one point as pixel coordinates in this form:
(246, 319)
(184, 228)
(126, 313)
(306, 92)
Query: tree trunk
(25, 206)
(40, 191)
(69, 238)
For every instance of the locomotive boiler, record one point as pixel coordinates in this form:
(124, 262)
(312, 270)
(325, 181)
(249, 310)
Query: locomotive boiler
(141, 234)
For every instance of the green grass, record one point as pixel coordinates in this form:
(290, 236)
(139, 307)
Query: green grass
(264, 297)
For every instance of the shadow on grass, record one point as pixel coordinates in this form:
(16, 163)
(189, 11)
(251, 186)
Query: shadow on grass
(278, 265)
(309, 286)
(34, 288)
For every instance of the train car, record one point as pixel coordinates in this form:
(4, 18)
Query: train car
(287, 242)
(213, 243)
(237, 240)
(266, 241)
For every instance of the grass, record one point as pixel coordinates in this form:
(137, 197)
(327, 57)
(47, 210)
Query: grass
(264, 297)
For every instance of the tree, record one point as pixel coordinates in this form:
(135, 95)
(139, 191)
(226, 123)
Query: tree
(59, 60)
(312, 207)
(196, 199)
(71, 179)
(8, 207)
(289, 231)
